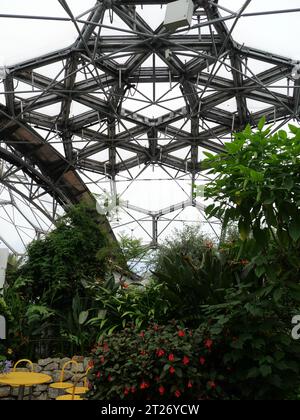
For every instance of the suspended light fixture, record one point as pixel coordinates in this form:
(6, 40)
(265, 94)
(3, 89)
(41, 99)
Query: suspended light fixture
(179, 14)
(296, 72)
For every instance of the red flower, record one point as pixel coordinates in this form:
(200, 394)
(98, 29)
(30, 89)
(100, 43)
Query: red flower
(212, 385)
(109, 378)
(155, 327)
(202, 361)
(124, 286)
(177, 393)
(185, 360)
(126, 391)
(172, 370)
(181, 333)
(98, 375)
(190, 384)
(133, 389)
(171, 357)
(105, 347)
(161, 390)
(160, 353)
(208, 344)
(144, 385)
(142, 334)
(143, 352)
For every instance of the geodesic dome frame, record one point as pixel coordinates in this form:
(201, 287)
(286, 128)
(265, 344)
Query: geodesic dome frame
(148, 98)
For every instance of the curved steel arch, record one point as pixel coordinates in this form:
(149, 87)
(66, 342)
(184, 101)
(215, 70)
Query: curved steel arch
(120, 64)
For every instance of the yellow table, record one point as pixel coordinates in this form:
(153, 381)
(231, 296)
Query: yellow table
(23, 379)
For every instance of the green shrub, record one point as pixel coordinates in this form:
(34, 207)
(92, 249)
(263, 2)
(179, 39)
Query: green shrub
(186, 286)
(253, 344)
(162, 362)
(189, 241)
(243, 350)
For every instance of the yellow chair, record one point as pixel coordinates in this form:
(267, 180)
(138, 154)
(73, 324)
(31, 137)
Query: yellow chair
(68, 397)
(29, 362)
(80, 390)
(61, 384)
(71, 395)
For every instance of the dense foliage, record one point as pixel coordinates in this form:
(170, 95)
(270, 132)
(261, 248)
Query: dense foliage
(187, 282)
(214, 321)
(48, 294)
(242, 295)
(162, 362)
(258, 185)
(242, 353)
(189, 242)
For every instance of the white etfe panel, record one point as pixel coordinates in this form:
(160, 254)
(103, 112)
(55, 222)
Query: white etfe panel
(3, 263)
(2, 328)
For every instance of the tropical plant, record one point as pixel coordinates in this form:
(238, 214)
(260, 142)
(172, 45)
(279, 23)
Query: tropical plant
(257, 185)
(189, 241)
(135, 304)
(253, 346)
(160, 363)
(47, 294)
(187, 286)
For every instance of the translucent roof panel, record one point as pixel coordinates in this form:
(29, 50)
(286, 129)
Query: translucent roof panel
(269, 25)
(19, 39)
(98, 101)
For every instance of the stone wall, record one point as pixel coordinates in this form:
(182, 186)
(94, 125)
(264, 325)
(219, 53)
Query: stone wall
(51, 367)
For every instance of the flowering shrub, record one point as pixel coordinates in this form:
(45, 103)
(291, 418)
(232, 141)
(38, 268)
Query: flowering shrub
(163, 362)
(5, 365)
(243, 351)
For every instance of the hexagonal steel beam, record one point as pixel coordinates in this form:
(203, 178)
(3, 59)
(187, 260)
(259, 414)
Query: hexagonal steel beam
(116, 79)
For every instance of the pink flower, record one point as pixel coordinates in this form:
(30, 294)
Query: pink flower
(161, 390)
(202, 361)
(172, 370)
(185, 360)
(177, 393)
(208, 344)
(144, 385)
(160, 353)
(190, 384)
(171, 357)
(212, 385)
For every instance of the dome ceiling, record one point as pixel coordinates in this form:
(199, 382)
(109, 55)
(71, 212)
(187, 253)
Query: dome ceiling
(127, 109)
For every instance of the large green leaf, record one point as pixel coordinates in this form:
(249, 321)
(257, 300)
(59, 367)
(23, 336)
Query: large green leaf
(262, 123)
(244, 229)
(294, 230)
(83, 316)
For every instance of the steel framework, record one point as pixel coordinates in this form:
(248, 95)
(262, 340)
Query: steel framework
(120, 74)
